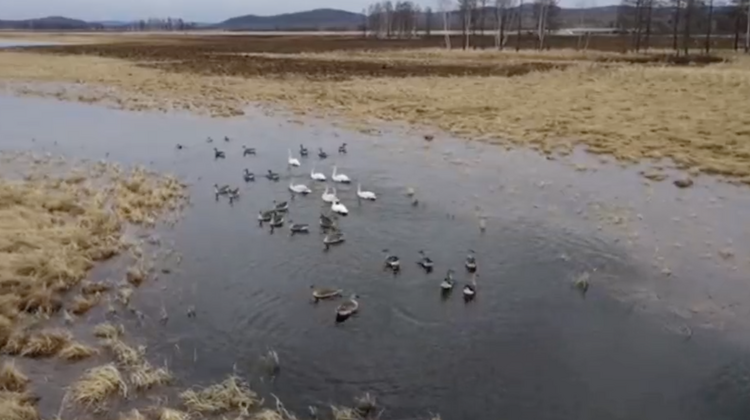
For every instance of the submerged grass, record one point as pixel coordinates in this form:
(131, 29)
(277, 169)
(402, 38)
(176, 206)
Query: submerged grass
(98, 384)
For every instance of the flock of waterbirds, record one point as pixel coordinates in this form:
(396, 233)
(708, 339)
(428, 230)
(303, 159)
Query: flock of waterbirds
(275, 218)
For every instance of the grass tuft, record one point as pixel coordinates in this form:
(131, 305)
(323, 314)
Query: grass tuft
(12, 379)
(108, 331)
(15, 406)
(98, 384)
(171, 414)
(144, 376)
(46, 343)
(132, 415)
(84, 303)
(232, 394)
(123, 353)
(76, 351)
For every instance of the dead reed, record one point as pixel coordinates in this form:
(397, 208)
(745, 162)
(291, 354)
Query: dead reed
(12, 379)
(98, 384)
(46, 343)
(108, 331)
(144, 376)
(231, 395)
(74, 352)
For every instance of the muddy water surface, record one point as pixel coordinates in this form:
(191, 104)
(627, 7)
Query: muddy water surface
(659, 335)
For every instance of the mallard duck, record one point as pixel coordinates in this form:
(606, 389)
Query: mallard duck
(425, 262)
(298, 227)
(271, 175)
(248, 176)
(303, 151)
(248, 151)
(322, 154)
(218, 154)
(324, 293)
(342, 149)
(347, 308)
(333, 238)
(391, 261)
(471, 262)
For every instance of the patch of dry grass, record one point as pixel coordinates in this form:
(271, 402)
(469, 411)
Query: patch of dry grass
(108, 331)
(124, 354)
(83, 303)
(16, 406)
(12, 379)
(144, 376)
(46, 343)
(77, 351)
(232, 394)
(98, 384)
(132, 415)
(171, 414)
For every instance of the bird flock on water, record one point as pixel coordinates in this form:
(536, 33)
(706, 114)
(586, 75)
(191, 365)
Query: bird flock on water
(275, 218)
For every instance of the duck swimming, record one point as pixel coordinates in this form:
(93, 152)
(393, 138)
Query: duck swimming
(333, 238)
(248, 176)
(347, 309)
(218, 154)
(324, 293)
(277, 220)
(226, 139)
(425, 262)
(271, 175)
(471, 262)
(322, 154)
(447, 284)
(392, 261)
(326, 222)
(303, 151)
(265, 216)
(281, 207)
(342, 149)
(298, 227)
(247, 151)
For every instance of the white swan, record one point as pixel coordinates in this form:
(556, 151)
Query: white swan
(340, 177)
(339, 208)
(292, 160)
(329, 197)
(318, 176)
(365, 195)
(299, 188)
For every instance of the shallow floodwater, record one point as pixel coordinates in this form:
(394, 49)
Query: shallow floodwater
(659, 335)
(15, 43)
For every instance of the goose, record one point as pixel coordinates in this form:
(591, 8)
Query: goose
(365, 195)
(280, 207)
(333, 238)
(273, 176)
(248, 176)
(218, 154)
(327, 222)
(426, 262)
(299, 188)
(392, 261)
(247, 151)
(226, 139)
(324, 293)
(233, 195)
(292, 160)
(303, 151)
(337, 177)
(209, 140)
(342, 149)
(298, 227)
(339, 208)
(223, 190)
(277, 220)
(347, 308)
(266, 216)
(322, 154)
(471, 262)
(329, 197)
(447, 284)
(317, 176)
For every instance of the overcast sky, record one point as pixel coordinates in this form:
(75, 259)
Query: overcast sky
(191, 10)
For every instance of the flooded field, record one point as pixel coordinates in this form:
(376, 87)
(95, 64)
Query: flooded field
(661, 332)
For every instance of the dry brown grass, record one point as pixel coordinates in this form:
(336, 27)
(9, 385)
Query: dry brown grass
(693, 115)
(124, 354)
(132, 415)
(108, 331)
(91, 288)
(83, 303)
(17, 406)
(171, 414)
(46, 343)
(77, 351)
(98, 384)
(230, 395)
(144, 376)
(12, 379)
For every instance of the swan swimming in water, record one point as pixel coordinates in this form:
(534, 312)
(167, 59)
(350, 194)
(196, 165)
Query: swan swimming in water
(341, 178)
(292, 160)
(299, 188)
(339, 208)
(329, 197)
(317, 176)
(365, 195)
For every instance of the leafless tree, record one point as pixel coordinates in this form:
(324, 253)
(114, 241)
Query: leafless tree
(502, 19)
(709, 26)
(520, 24)
(464, 6)
(428, 21)
(676, 23)
(444, 6)
(747, 30)
(686, 26)
(482, 16)
(541, 9)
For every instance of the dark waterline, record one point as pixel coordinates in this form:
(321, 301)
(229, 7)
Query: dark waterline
(528, 347)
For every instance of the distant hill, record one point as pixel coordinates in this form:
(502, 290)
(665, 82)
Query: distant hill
(49, 23)
(323, 19)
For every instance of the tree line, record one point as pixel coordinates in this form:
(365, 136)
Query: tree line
(690, 23)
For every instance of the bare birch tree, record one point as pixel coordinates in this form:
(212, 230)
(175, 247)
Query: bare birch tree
(541, 8)
(520, 24)
(502, 20)
(445, 8)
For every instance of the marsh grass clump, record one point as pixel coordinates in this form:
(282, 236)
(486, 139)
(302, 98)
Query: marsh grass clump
(144, 376)
(16, 342)
(74, 352)
(133, 414)
(17, 406)
(107, 330)
(98, 384)
(46, 343)
(12, 379)
(83, 303)
(344, 413)
(171, 414)
(232, 394)
(124, 354)
(91, 288)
